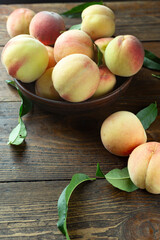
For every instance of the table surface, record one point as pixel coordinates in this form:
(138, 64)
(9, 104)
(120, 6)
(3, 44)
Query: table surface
(33, 175)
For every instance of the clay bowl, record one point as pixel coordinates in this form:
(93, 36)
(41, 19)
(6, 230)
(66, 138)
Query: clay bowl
(64, 107)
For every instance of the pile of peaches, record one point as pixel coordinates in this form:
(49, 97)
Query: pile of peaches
(63, 63)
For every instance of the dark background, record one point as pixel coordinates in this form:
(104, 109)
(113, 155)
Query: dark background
(47, 1)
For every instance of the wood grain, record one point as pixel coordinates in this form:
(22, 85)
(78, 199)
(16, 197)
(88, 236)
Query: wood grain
(141, 18)
(96, 211)
(33, 175)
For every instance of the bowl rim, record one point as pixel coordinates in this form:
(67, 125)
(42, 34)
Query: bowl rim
(64, 103)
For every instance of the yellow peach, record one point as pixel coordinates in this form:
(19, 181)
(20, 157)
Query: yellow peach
(144, 167)
(18, 21)
(73, 41)
(98, 21)
(124, 55)
(75, 77)
(121, 132)
(25, 58)
(44, 86)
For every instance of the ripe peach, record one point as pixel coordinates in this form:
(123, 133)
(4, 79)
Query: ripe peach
(75, 77)
(73, 41)
(52, 61)
(98, 21)
(18, 21)
(25, 58)
(107, 82)
(46, 27)
(144, 167)
(102, 43)
(124, 55)
(44, 86)
(121, 132)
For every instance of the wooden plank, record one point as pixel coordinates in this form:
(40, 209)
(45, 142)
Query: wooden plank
(8, 93)
(139, 18)
(96, 211)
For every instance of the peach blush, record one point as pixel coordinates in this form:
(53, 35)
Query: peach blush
(75, 77)
(25, 58)
(73, 41)
(46, 27)
(144, 167)
(107, 82)
(124, 55)
(121, 132)
(18, 21)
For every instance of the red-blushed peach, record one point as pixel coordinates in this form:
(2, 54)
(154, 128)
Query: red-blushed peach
(25, 58)
(46, 27)
(144, 167)
(98, 21)
(44, 86)
(102, 43)
(18, 21)
(73, 41)
(107, 82)
(76, 77)
(52, 61)
(121, 132)
(124, 55)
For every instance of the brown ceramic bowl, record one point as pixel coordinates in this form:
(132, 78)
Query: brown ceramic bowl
(67, 107)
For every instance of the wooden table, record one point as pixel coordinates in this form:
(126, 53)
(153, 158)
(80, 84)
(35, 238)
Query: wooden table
(33, 175)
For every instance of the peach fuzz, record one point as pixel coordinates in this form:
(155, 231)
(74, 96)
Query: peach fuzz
(44, 86)
(73, 41)
(52, 61)
(75, 77)
(144, 167)
(121, 132)
(98, 21)
(25, 58)
(124, 55)
(46, 27)
(18, 21)
(107, 82)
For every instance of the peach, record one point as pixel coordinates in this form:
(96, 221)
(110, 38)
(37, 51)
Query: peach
(46, 27)
(44, 86)
(144, 167)
(107, 82)
(52, 61)
(73, 41)
(25, 58)
(76, 77)
(98, 21)
(124, 55)
(121, 132)
(102, 43)
(18, 21)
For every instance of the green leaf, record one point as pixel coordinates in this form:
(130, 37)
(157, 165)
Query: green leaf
(157, 76)
(64, 200)
(151, 61)
(75, 12)
(26, 104)
(148, 115)
(76, 27)
(18, 134)
(99, 172)
(120, 179)
(99, 56)
(11, 82)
